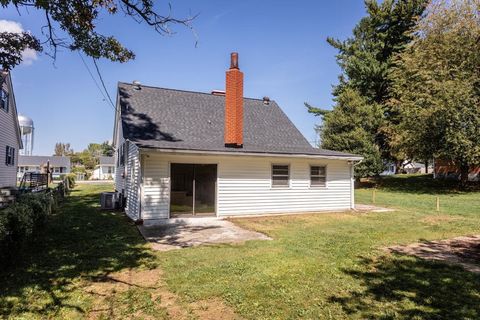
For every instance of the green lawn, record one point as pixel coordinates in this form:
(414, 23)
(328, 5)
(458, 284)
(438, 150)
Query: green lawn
(324, 266)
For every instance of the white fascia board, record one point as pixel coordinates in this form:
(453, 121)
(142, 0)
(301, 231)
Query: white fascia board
(250, 154)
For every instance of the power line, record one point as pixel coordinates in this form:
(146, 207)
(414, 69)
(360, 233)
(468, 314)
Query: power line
(103, 83)
(107, 100)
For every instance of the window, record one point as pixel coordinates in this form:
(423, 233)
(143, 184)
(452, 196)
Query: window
(318, 176)
(121, 154)
(10, 156)
(4, 100)
(280, 175)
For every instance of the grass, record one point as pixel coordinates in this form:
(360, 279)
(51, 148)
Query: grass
(324, 266)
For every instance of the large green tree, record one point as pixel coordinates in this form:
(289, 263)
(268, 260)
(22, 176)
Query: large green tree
(365, 60)
(436, 85)
(73, 24)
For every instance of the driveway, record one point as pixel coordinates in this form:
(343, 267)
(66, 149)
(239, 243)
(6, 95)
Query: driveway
(173, 234)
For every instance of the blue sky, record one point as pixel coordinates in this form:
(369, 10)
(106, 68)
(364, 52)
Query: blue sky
(282, 51)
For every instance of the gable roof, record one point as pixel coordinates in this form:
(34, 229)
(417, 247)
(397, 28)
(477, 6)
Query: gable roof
(55, 161)
(105, 161)
(160, 118)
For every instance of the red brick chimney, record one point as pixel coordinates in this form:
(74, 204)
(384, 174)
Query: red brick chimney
(234, 105)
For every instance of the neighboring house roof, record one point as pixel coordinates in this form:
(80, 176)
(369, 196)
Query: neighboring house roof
(162, 118)
(106, 161)
(55, 161)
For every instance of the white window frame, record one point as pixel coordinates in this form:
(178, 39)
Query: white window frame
(287, 186)
(4, 100)
(9, 156)
(310, 176)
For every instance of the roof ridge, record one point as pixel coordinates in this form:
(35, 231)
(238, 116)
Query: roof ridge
(188, 91)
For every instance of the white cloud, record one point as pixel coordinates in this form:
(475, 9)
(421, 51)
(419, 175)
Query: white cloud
(28, 55)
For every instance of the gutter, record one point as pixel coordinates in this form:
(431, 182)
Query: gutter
(254, 154)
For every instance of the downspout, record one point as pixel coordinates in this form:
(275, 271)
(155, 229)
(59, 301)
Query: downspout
(352, 182)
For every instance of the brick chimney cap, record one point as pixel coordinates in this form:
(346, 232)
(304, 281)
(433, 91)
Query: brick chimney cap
(234, 60)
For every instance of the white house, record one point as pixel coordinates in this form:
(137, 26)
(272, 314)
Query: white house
(10, 140)
(182, 153)
(58, 165)
(105, 169)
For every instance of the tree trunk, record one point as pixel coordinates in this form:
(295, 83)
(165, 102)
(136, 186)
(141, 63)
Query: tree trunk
(464, 170)
(426, 166)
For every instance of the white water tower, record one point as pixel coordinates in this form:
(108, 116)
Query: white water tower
(27, 131)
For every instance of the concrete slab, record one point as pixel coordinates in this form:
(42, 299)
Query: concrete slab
(170, 234)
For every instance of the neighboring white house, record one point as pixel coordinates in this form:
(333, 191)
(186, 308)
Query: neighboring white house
(105, 170)
(181, 153)
(10, 140)
(408, 166)
(59, 165)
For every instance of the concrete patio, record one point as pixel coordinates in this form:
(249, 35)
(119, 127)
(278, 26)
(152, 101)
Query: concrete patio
(173, 234)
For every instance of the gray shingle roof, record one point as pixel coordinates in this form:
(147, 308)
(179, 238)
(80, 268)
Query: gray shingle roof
(173, 119)
(106, 160)
(55, 161)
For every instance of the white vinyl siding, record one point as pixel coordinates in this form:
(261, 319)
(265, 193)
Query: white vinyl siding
(132, 181)
(119, 169)
(244, 185)
(8, 137)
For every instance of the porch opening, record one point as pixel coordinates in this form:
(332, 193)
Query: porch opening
(193, 189)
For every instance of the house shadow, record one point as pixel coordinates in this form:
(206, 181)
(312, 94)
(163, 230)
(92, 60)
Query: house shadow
(400, 287)
(418, 184)
(139, 126)
(180, 234)
(78, 243)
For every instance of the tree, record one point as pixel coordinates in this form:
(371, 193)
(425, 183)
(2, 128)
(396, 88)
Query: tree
(63, 149)
(436, 85)
(107, 149)
(349, 125)
(365, 60)
(78, 19)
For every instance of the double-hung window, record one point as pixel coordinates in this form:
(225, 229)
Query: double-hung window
(318, 176)
(4, 100)
(280, 175)
(10, 156)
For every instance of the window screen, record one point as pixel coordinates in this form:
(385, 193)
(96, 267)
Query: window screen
(10, 156)
(318, 176)
(4, 100)
(280, 175)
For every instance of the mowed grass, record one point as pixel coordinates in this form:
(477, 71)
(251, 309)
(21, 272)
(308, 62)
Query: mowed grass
(332, 266)
(80, 245)
(323, 266)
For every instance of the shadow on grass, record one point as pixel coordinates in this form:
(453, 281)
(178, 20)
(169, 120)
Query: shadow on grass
(399, 287)
(418, 184)
(79, 242)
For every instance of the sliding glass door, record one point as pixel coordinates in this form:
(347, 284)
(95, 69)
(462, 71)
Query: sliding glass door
(193, 189)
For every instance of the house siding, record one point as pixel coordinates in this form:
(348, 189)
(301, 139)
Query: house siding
(119, 169)
(244, 185)
(8, 137)
(132, 182)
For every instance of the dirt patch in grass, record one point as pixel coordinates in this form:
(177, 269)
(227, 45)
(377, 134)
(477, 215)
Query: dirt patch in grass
(143, 294)
(438, 219)
(213, 309)
(462, 251)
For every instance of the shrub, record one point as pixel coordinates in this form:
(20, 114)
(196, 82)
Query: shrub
(71, 180)
(21, 221)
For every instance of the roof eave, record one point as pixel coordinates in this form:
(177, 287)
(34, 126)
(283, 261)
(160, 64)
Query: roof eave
(255, 154)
